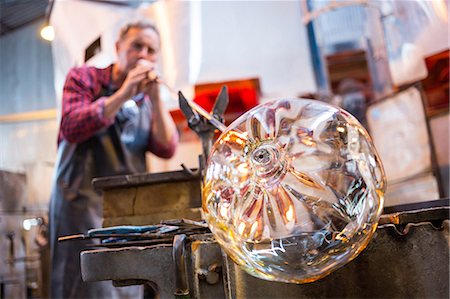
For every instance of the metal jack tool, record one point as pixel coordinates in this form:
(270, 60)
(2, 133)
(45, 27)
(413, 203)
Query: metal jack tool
(203, 123)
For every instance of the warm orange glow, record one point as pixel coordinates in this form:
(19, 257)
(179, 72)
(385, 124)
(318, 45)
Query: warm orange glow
(340, 129)
(241, 228)
(233, 136)
(305, 179)
(243, 168)
(254, 227)
(223, 210)
(290, 213)
(308, 141)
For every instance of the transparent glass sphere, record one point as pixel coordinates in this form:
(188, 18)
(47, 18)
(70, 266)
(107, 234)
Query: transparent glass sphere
(293, 190)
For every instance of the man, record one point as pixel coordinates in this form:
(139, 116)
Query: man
(110, 118)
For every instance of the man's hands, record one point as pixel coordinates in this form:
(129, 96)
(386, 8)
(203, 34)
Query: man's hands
(150, 84)
(142, 78)
(163, 127)
(138, 80)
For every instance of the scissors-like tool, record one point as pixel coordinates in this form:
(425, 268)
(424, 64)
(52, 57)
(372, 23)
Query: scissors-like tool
(204, 123)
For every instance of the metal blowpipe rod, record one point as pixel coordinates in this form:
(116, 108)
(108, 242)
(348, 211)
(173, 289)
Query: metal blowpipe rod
(216, 123)
(152, 75)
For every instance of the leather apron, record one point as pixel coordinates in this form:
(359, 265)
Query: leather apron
(75, 207)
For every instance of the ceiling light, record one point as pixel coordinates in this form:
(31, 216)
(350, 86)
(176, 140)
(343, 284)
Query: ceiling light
(48, 33)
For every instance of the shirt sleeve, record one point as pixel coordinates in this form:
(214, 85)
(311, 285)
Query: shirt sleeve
(161, 150)
(82, 114)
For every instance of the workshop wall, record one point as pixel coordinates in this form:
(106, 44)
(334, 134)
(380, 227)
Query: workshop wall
(26, 85)
(27, 155)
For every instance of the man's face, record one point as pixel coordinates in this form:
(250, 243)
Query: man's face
(135, 45)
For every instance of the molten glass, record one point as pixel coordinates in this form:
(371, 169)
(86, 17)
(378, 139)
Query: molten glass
(293, 190)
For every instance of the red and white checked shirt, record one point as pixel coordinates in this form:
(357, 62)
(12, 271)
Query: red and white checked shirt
(83, 109)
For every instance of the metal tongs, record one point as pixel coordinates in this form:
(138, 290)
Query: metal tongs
(192, 109)
(199, 120)
(204, 123)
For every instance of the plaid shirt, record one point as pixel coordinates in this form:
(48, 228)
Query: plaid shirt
(83, 109)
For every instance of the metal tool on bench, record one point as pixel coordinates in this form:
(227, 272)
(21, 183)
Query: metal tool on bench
(130, 235)
(418, 247)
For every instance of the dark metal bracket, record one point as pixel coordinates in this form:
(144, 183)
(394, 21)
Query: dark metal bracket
(203, 123)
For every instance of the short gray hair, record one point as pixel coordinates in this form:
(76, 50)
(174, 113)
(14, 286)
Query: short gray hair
(140, 24)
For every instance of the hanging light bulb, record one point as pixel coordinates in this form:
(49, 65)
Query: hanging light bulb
(293, 190)
(48, 33)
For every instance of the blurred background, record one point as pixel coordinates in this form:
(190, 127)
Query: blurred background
(386, 62)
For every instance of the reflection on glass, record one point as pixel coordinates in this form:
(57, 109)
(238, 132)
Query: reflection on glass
(293, 190)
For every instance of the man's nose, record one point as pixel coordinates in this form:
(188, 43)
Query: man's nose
(143, 53)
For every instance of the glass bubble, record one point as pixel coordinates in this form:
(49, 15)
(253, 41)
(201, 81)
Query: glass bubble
(293, 190)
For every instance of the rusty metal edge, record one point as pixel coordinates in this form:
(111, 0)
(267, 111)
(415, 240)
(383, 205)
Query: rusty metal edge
(134, 180)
